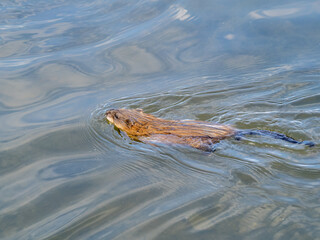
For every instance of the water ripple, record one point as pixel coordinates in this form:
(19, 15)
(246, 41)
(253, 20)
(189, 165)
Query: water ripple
(114, 37)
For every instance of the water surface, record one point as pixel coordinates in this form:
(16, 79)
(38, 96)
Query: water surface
(65, 173)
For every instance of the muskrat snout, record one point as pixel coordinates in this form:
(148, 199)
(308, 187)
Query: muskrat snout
(110, 114)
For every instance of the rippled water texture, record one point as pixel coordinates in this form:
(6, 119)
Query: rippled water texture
(65, 173)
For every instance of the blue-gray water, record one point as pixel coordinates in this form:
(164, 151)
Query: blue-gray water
(66, 174)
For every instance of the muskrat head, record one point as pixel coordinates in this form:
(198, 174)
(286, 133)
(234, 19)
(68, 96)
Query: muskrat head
(124, 119)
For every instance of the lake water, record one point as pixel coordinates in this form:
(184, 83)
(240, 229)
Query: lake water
(65, 173)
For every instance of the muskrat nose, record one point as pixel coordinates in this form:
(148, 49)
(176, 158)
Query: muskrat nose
(109, 115)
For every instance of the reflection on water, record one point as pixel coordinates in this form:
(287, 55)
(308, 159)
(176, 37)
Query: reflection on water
(65, 173)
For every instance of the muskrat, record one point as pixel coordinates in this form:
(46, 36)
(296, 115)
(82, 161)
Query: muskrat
(198, 134)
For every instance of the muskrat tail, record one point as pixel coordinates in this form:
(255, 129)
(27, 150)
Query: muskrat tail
(275, 135)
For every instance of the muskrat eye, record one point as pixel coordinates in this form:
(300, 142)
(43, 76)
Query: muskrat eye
(116, 116)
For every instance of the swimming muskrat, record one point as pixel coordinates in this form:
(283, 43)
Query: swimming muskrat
(198, 134)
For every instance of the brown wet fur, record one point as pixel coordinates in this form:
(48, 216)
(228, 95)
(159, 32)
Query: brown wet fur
(150, 129)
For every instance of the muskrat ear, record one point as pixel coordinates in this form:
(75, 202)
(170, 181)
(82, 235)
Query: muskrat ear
(129, 123)
(139, 110)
